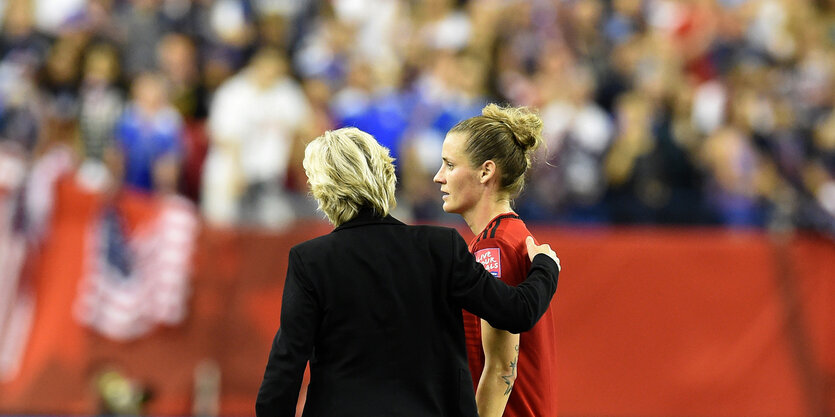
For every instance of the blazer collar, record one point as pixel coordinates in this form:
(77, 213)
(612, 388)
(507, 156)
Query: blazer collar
(365, 217)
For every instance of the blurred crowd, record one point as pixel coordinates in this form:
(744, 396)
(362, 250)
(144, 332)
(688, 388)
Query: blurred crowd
(655, 111)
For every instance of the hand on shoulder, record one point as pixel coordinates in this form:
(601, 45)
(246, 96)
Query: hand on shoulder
(534, 249)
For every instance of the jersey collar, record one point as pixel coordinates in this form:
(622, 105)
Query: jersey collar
(492, 225)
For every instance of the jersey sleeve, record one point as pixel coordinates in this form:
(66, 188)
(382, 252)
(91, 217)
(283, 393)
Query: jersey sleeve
(512, 308)
(501, 259)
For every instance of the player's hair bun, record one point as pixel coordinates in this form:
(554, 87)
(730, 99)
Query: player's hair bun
(522, 121)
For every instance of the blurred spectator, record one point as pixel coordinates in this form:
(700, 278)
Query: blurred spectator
(98, 21)
(734, 167)
(451, 90)
(578, 133)
(319, 95)
(142, 30)
(20, 39)
(53, 16)
(149, 136)
(255, 120)
(820, 173)
(324, 51)
(634, 187)
(624, 21)
(59, 83)
(20, 110)
(440, 25)
(177, 63)
(101, 101)
(232, 31)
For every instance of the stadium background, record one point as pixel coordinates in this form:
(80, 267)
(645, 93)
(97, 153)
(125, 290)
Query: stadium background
(150, 187)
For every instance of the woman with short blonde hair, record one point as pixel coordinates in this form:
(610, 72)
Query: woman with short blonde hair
(347, 169)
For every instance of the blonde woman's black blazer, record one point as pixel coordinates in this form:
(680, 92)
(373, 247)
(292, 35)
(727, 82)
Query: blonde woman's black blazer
(375, 306)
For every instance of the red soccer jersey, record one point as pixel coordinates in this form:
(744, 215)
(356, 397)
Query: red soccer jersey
(501, 248)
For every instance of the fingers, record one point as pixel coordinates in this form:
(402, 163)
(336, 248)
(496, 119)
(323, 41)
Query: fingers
(531, 245)
(534, 249)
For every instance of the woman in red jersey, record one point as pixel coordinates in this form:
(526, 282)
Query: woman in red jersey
(484, 163)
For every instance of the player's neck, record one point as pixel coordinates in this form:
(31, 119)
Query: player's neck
(480, 215)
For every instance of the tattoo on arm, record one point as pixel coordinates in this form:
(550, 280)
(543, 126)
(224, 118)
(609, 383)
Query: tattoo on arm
(508, 379)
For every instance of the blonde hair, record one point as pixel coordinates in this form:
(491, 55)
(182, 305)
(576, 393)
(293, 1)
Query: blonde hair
(507, 136)
(347, 169)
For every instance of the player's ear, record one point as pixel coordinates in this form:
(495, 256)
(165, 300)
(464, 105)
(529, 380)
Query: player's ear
(488, 171)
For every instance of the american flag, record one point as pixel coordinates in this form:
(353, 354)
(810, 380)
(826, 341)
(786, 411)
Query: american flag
(138, 277)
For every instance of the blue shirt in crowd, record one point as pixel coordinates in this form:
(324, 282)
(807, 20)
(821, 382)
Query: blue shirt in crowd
(144, 140)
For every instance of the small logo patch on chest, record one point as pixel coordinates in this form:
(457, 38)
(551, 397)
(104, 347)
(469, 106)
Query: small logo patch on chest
(491, 259)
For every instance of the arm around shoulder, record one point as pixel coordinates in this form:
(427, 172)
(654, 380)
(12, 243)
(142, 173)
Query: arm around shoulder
(515, 309)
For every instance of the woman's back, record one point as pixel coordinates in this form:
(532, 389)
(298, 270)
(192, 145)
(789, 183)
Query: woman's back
(387, 323)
